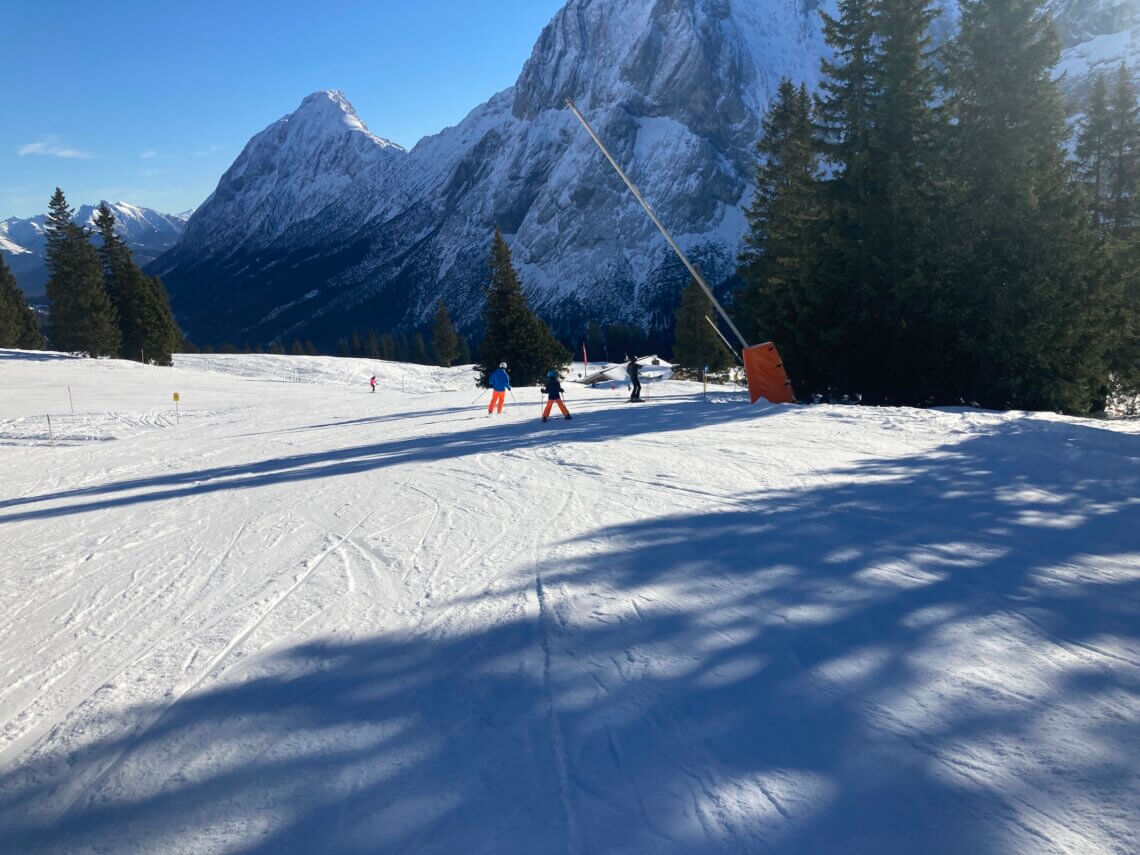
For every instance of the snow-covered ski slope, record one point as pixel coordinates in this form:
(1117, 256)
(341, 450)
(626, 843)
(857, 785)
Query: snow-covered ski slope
(302, 617)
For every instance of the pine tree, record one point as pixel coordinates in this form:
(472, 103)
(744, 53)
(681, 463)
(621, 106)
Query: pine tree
(696, 345)
(1123, 216)
(419, 349)
(1029, 295)
(164, 337)
(296, 348)
(1092, 148)
(464, 357)
(779, 260)
(878, 131)
(146, 323)
(846, 109)
(82, 316)
(512, 332)
(595, 341)
(1122, 141)
(444, 339)
(19, 326)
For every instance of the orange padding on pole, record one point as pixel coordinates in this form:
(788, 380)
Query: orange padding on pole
(766, 375)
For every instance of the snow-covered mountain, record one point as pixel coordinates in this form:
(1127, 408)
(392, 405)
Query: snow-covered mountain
(1098, 36)
(320, 226)
(148, 233)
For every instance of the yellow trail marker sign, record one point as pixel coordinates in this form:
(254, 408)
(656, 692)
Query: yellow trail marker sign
(176, 398)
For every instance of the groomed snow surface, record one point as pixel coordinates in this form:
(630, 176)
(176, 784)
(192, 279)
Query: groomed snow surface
(302, 617)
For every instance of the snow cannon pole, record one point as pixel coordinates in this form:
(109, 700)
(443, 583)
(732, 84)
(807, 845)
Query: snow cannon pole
(696, 274)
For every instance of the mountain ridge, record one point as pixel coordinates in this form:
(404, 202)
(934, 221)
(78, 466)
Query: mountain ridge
(148, 233)
(676, 87)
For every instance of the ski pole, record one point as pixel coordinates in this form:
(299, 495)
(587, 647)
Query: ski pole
(477, 397)
(514, 400)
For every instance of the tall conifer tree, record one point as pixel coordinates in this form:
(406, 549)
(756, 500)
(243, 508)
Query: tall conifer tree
(878, 132)
(19, 326)
(145, 321)
(1031, 296)
(1092, 148)
(512, 333)
(82, 316)
(781, 299)
(444, 339)
(697, 345)
(1123, 144)
(419, 349)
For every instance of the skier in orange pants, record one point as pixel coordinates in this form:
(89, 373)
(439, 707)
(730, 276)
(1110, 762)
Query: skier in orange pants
(500, 382)
(553, 390)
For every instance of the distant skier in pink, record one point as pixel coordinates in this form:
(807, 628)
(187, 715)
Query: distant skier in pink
(372, 382)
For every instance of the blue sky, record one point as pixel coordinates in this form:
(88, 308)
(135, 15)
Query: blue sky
(150, 102)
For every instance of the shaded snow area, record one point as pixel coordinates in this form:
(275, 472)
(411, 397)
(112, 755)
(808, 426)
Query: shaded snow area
(302, 617)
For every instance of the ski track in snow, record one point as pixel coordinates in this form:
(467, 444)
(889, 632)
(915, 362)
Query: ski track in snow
(300, 617)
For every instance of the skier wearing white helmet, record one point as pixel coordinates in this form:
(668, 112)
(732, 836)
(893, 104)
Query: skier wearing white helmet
(500, 382)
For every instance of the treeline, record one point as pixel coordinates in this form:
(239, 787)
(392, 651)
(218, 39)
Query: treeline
(101, 303)
(446, 347)
(920, 234)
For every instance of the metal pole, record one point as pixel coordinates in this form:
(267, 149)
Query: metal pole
(70, 401)
(696, 274)
(51, 435)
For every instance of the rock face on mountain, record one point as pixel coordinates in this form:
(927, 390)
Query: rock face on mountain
(1098, 35)
(676, 86)
(285, 218)
(320, 227)
(148, 233)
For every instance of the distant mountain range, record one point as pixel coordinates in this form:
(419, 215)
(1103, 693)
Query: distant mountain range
(148, 233)
(321, 227)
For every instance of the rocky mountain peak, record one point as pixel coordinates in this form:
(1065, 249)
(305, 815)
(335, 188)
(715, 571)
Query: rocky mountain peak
(299, 165)
(320, 223)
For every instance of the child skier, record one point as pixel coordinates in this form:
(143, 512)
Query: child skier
(372, 382)
(500, 381)
(553, 390)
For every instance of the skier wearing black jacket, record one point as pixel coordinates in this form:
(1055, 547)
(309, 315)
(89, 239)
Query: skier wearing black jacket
(633, 370)
(553, 391)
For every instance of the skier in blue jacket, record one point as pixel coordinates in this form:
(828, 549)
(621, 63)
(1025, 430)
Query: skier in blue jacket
(500, 382)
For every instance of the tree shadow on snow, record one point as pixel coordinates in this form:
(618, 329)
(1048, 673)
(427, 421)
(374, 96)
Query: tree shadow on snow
(456, 439)
(912, 658)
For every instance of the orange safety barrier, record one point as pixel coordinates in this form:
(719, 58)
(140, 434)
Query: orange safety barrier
(766, 375)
